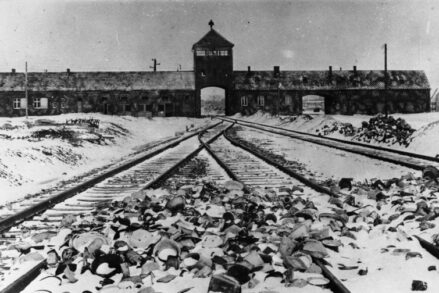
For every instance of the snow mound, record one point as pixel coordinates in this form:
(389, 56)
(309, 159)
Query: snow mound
(426, 139)
(52, 149)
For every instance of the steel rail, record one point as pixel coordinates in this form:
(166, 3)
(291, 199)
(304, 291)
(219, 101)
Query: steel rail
(430, 247)
(25, 279)
(40, 207)
(216, 158)
(294, 134)
(165, 175)
(284, 169)
(335, 284)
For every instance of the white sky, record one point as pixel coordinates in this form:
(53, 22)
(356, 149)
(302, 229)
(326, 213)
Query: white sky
(297, 35)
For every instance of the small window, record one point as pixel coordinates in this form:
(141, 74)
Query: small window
(40, 103)
(244, 101)
(149, 108)
(201, 53)
(288, 100)
(261, 100)
(126, 107)
(37, 103)
(161, 108)
(16, 103)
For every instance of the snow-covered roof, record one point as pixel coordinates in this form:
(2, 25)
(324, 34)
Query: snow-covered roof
(89, 81)
(346, 79)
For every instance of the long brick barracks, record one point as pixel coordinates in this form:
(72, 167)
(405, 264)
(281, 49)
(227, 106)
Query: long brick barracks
(179, 93)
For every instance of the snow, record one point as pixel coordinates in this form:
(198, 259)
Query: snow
(329, 164)
(30, 164)
(424, 140)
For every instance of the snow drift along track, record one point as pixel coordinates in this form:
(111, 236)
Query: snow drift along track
(407, 159)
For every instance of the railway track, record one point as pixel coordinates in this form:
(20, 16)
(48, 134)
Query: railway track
(250, 170)
(430, 251)
(406, 159)
(214, 156)
(47, 213)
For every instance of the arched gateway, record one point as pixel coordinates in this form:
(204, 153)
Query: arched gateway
(213, 101)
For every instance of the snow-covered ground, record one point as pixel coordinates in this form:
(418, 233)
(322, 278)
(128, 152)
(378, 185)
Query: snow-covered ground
(39, 152)
(329, 164)
(425, 139)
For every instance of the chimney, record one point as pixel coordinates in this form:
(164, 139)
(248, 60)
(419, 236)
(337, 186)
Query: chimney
(330, 72)
(355, 69)
(249, 69)
(13, 71)
(276, 71)
(68, 70)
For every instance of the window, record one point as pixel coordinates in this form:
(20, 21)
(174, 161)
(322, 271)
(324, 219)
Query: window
(244, 101)
(161, 108)
(40, 103)
(288, 100)
(149, 108)
(212, 53)
(261, 100)
(126, 107)
(16, 103)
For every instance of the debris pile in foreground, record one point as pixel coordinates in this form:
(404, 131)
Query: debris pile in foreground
(225, 238)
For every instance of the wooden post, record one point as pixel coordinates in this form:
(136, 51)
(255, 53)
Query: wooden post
(154, 67)
(386, 106)
(25, 91)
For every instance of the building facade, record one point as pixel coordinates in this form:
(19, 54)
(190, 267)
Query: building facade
(179, 93)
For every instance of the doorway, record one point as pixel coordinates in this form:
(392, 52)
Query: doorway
(213, 101)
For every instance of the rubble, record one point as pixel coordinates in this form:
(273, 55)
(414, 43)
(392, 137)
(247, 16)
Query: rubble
(228, 243)
(379, 129)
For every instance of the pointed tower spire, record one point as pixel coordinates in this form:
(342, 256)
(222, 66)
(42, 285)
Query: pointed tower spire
(211, 24)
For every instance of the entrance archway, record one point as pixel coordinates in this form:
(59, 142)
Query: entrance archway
(213, 101)
(313, 104)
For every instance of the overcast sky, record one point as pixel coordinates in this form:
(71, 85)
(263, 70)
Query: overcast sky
(297, 35)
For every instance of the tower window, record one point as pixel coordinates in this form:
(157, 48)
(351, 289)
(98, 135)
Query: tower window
(212, 53)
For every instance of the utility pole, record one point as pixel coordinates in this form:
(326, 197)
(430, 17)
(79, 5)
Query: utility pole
(386, 106)
(25, 90)
(154, 67)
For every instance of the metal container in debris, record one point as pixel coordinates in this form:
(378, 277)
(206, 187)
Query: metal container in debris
(224, 283)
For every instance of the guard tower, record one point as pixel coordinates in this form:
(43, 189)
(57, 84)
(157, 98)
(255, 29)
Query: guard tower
(213, 65)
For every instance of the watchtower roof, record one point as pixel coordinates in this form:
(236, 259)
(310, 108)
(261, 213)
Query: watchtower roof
(212, 40)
